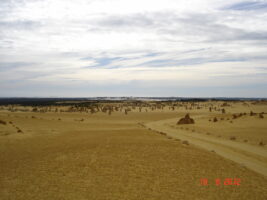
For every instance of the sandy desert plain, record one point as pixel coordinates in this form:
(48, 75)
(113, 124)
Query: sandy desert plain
(134, 150)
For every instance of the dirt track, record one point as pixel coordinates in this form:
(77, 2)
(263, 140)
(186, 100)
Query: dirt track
(252, 157)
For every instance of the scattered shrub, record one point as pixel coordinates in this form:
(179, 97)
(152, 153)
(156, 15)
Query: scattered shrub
(261, 143)
(252, 113)
(232, 138)
(2, 122)
(162, 133)
(185, 142)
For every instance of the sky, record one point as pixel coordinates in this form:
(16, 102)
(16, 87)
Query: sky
(87, 48)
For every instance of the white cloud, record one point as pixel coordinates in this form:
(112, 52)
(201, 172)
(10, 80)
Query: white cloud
(186, 42)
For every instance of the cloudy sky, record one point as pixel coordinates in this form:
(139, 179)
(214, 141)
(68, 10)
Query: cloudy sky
(84, 48)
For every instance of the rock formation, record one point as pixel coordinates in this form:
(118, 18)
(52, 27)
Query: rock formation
(186, 120)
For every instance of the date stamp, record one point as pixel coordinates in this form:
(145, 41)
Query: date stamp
(218, 181)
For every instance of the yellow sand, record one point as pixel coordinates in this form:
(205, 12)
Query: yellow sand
(61, 156)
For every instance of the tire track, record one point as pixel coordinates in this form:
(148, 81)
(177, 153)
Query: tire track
(254, 158)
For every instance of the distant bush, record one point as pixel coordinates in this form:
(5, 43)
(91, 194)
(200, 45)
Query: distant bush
(34, 110)
(232, 138)
(2, 122)
(252, 113)
(185, 142)
(19, 131)
(261, 143)
(162, 133)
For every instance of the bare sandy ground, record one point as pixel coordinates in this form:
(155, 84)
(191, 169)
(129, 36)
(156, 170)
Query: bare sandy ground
(79, 155)
(250, 156)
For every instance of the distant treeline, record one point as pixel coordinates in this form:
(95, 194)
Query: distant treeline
(81, 102)
(90, 101)
(42, 101)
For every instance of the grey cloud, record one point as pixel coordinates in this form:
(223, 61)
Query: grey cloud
(7, 6)
(21, 75)
(5, 43)
(6, 66)
(205, 27)
(247, 5)
(135, 20)
(19, 25)
(190, 61)
(203, 38)
(208, 29)
(184, 58)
